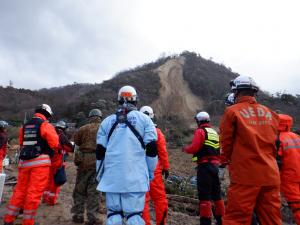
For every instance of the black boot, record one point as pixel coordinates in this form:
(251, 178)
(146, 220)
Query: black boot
(218, 220)
(205, 221)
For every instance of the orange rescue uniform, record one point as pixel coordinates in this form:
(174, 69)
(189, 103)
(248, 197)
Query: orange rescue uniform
(248, 134)
(289, 153)
(32, 178)
(157, 187)
(52, 191)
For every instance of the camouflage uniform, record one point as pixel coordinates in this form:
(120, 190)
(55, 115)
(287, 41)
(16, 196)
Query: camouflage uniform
(85, 159)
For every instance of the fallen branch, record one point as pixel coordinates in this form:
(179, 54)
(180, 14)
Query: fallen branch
(182, 199)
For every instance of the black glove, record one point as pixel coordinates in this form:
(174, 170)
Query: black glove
(165, 173)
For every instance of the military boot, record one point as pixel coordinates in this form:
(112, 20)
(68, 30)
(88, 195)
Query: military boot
(78, 218)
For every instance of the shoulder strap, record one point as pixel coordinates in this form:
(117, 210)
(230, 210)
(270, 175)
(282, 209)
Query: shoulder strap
(112, 129)
(136, 133)
(122, 118)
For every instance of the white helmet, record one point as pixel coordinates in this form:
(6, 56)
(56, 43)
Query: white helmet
(44, 108)
(127, 94)
(61, 124)
(230, 99)
(244, 82)
(202, 117)
(3, 124)
(148, 111)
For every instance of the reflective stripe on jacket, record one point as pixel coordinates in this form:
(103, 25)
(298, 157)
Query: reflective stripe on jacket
(289, 150)
(47, 133)
(211, 145)
(42, 160)
(201, 145)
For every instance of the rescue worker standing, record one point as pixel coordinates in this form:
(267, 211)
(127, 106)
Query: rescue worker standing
(3, 142)
(205, 148)
(157, 191)
(126, 160)
(38, 139)
(52, 191)
(248, 132)
(289, 157)
(229, 101)
(85, 194)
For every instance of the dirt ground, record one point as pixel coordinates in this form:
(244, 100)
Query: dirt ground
(60, 213)
(179, 210)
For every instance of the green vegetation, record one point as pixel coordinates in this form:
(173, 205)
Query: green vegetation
(207, 79)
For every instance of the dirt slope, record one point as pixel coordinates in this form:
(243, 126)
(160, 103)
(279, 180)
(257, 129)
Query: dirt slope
(175, 93)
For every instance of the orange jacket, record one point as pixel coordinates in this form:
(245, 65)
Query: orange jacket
(3, 144)
(163, 159)
(197, 144)
(64, 147)
(248, 132)
(289, 150)
(48, 133)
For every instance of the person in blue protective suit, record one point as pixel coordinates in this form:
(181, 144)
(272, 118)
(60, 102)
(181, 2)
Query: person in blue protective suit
(126, 159)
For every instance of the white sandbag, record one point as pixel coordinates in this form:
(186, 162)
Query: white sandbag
(2, 181)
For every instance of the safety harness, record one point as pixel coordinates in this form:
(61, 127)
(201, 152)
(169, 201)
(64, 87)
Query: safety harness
(121, 117)
(33, 144)
(211, 146)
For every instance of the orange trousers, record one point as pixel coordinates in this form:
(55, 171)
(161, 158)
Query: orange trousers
(291, 192)
(27, 194)
(158, 196)
(242, 199)
(52, 191)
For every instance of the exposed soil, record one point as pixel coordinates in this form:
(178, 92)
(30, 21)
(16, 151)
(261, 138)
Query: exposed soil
(175, 93)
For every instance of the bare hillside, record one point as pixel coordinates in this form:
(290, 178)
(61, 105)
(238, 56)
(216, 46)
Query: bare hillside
(175, 94)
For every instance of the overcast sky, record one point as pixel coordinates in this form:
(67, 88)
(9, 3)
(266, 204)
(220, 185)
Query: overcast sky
(57, 42)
